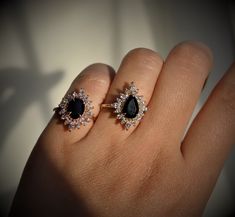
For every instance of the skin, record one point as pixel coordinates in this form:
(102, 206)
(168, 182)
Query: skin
(150, 170)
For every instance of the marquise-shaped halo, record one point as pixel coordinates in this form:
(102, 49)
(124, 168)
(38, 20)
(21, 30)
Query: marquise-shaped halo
(130, 96)
(75, 109)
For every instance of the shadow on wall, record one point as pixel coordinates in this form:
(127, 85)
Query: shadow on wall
(21, 87)
(18, 89)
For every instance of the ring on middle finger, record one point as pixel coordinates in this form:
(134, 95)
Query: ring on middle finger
(129, 107)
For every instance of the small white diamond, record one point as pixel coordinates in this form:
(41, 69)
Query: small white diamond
(127, 92)
(122, 96)
(65, 101)
(119, 116)
(117, 111)
(114, 105)
(62, 111)
(123, 121)
(127, 125)
(74, 94)
(119, 100)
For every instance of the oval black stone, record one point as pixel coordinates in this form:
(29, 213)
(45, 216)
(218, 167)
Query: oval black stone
(76, 107)
(131, 107)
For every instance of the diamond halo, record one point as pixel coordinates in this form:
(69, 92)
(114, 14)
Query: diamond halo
(120, 102)
(65, 115)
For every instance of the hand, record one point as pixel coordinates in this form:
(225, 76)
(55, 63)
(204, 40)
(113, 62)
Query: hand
(149, 170)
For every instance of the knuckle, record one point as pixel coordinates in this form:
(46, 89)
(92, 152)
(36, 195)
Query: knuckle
(193, 54)
(98, 67)
(144, 56)
(96, 75)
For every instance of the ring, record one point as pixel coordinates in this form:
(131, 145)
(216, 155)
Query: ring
(75, 109)
(129, 107)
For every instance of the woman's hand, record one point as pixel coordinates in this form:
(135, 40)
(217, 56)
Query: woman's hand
(149, 170)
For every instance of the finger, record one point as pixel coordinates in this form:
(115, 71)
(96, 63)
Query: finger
(212, 133)
(141, 66)
(176, 93)
(95, 80)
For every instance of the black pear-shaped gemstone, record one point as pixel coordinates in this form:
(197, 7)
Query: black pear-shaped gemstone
(131, 107)
(76, 108)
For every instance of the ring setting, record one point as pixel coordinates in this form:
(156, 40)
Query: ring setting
(75, 109)
(129, 107)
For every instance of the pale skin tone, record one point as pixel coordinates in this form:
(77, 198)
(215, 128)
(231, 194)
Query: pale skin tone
(102, 170)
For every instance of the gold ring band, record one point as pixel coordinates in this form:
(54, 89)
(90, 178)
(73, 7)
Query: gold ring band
(106, 105)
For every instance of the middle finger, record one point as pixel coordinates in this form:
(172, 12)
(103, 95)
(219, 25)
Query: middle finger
(141, 66)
